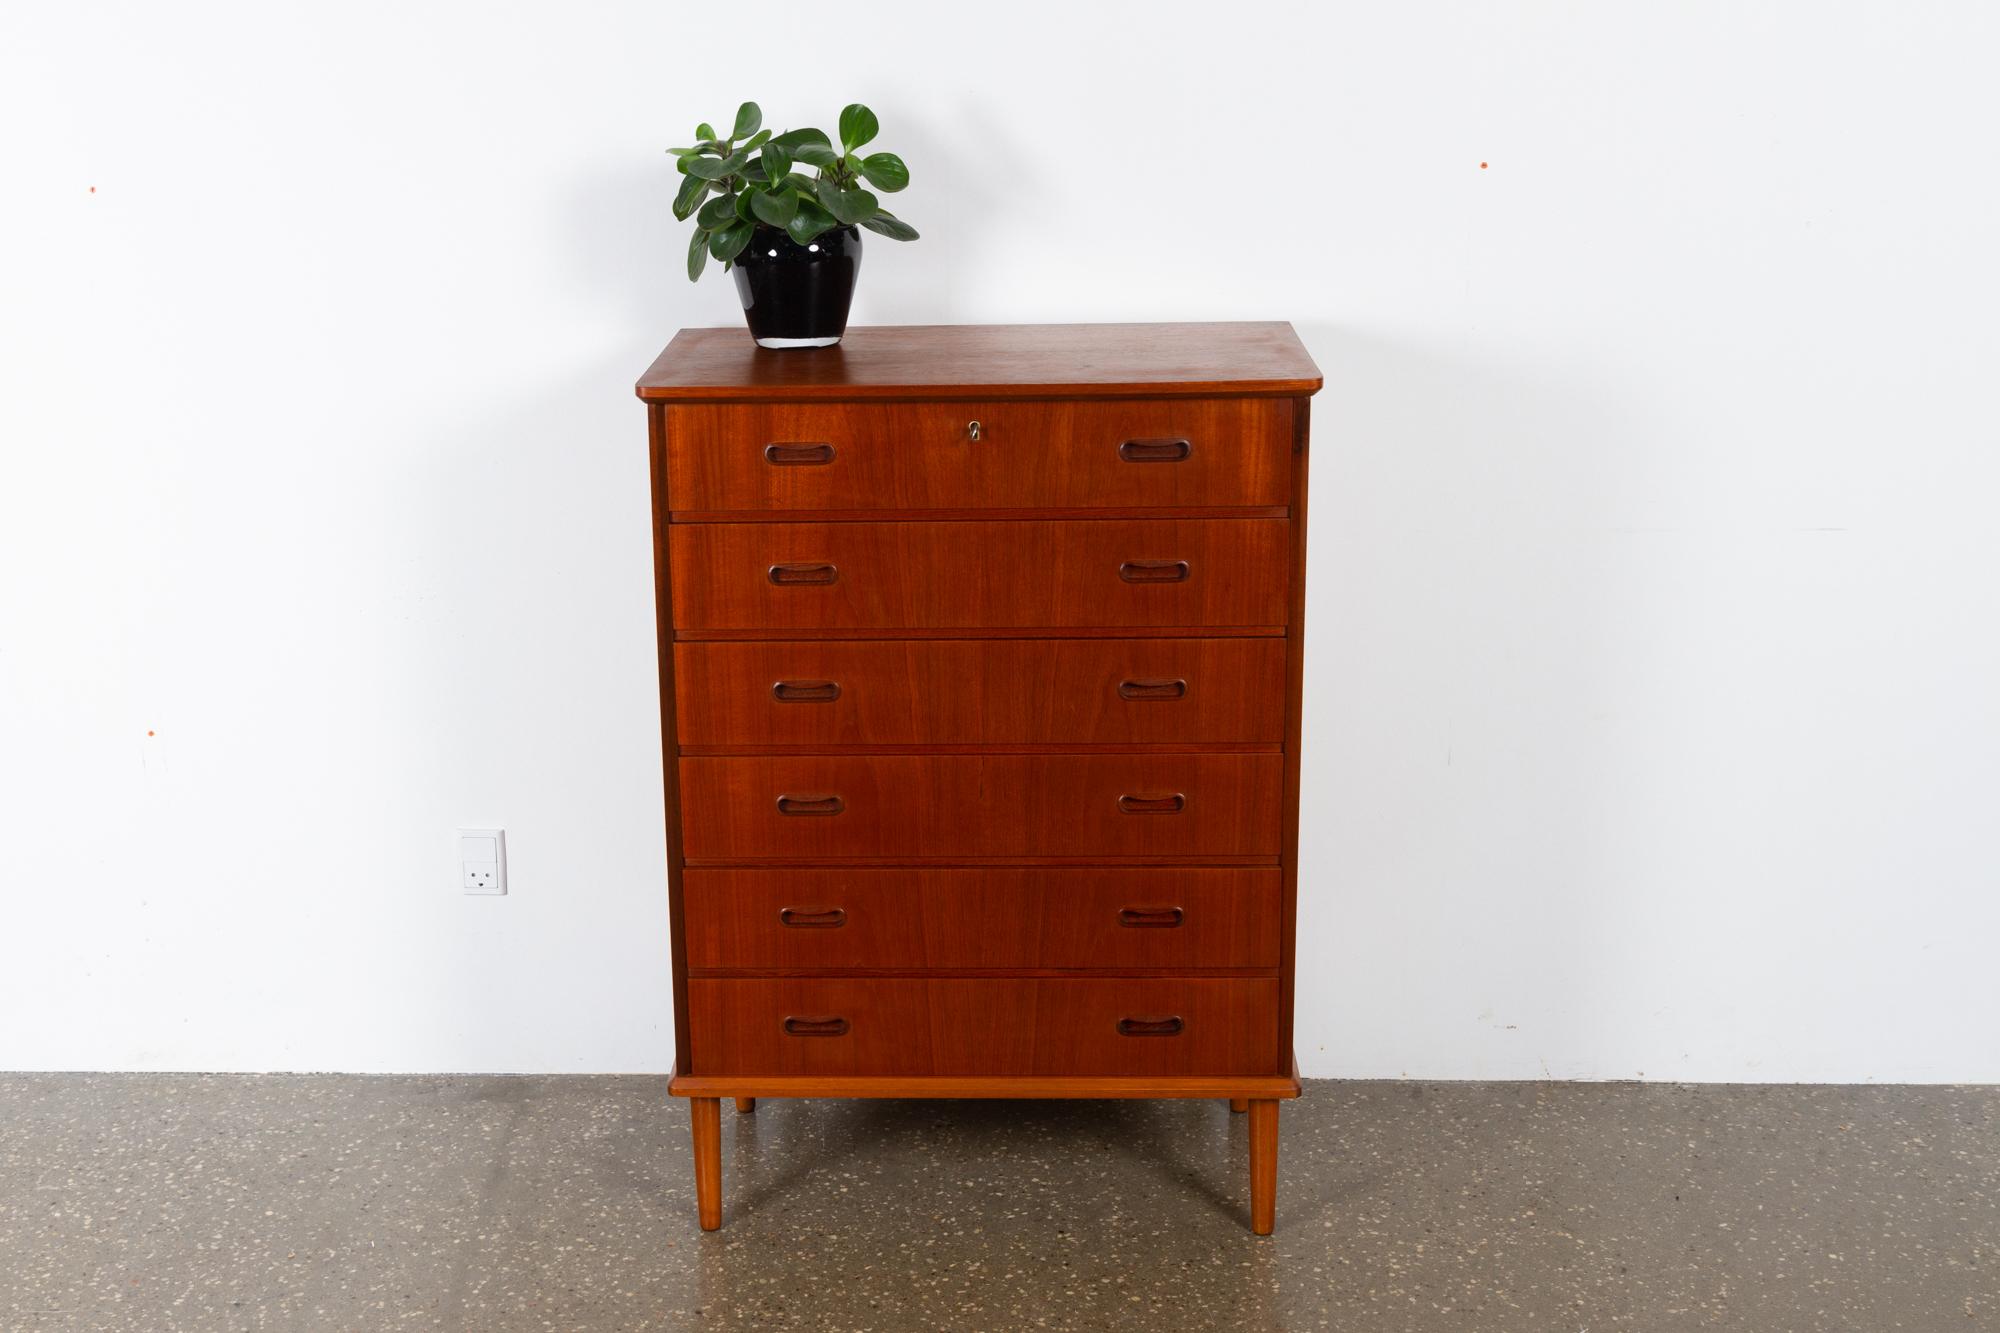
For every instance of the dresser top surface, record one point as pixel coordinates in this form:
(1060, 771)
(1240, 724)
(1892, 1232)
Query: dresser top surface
(988, 361)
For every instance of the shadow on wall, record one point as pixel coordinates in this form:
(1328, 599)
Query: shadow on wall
(620, 233)
(1470, 613)
(522, 542)
(953, 203)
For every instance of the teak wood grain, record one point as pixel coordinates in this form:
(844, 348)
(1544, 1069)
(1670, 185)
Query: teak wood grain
(980, 574)
(1207, 452)
(981, 692)
(949, 1026)
(1167, 918)
(981, 676)
(706, 1117)
(835, 805)
(1263, 1165)
(955, 361)
(988, 1087)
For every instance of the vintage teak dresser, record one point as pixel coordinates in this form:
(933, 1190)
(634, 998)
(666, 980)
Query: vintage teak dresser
(980, 663)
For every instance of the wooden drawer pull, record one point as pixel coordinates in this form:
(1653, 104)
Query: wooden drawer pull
(793, 575)
(1153, 805)
(1150, 1027)
(829, 1025)
(798, 455)
(1151, 918)
(806, 691)
(1154, 451)
(1151, 571)
(1152, 691)
(810, 805)
(813, 918)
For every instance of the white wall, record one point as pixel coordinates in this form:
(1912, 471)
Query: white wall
(1656, 641)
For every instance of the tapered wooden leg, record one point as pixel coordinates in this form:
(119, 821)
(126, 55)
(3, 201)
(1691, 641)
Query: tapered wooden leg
(745, 1105)
(707, 1113)
(1263, 1165)
(1239, 1104)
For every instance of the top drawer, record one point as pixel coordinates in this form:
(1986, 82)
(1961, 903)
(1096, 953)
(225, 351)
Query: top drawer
(1228, 452)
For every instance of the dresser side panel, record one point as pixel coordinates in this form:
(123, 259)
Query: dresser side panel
(669, 738)
(1295, 675)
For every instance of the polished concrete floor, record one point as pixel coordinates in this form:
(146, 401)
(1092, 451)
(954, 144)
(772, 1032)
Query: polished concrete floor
(162, 1202)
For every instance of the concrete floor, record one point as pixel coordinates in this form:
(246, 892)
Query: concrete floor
(164, 1202)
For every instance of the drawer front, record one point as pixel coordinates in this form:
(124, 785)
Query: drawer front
(816, 806)
(1100, 1026)
(1167, 918)
(921, 455)
(980, 692)
(996, 574)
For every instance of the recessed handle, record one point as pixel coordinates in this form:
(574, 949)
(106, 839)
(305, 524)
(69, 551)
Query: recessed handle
(798, 455)
(1155, 451)
(1151, 1027)
(1152, 691)
(788, 576)
(1152, 571)
(1153, 805)
(814, 918)
(806, 691)
(810, 805)
(1151, 918)
(821, 1025)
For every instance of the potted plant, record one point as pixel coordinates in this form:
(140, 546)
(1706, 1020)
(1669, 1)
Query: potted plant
(793, 240)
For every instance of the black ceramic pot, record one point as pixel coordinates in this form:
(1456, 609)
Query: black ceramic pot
(797, 295)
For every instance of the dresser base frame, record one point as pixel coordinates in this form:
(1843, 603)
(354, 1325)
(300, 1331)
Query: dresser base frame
(1257, 1095)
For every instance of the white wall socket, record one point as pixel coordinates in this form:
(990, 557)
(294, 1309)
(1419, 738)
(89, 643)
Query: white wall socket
(482, 860)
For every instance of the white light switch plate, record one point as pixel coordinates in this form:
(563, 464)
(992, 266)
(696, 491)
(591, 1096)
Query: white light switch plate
(482, 860)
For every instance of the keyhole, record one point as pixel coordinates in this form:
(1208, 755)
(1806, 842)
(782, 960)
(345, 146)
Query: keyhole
(972, 430)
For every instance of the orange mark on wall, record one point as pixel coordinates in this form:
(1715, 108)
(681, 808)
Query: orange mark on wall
(93, 189)
(149, 733)
(1482, 166)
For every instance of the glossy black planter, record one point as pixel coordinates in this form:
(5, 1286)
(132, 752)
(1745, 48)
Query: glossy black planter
(797, 295)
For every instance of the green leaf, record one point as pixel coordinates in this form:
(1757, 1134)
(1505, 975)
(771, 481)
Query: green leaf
(791, 140)
(776, 162)
(801, 182)
(727, 242)
(756, 141)
(849, 206)
(809, 222)
(775, 208)
(704, 131)
(697, 254)
(857, 126)
(754, 173)
(748, 118)
(716, 212)
(692, 190)
(888, 224)
(809, 146)
(715, 168)
(885, 171)
(743, 206)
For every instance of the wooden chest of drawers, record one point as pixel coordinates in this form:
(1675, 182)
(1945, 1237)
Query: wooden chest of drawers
(980, 655)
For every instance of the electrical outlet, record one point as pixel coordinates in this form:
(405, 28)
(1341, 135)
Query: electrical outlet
(482, 860)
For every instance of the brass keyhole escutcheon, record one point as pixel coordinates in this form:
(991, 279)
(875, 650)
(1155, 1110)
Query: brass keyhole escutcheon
(972, 431)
